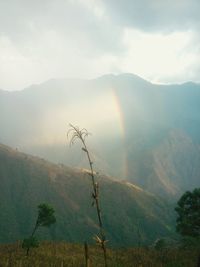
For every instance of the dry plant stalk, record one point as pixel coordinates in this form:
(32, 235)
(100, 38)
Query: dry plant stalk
(87, 259)
(80, 134)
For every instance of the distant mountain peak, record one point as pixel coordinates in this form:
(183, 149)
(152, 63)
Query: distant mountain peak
(130, 75)
(123, 76)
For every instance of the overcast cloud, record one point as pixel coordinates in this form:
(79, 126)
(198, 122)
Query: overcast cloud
(155, 15)
(40, 40)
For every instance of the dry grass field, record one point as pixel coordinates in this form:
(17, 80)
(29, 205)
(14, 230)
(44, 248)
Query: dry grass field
(51, 254)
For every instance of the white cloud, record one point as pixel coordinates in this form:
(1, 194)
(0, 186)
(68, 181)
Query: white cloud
(159, 57)
(40, 40)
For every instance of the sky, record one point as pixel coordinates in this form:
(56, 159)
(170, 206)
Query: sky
(158, 40)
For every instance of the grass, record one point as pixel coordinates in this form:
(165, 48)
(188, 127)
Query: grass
(61, 254)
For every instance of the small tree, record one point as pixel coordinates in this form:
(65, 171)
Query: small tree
(188, 209)
(188, 220)
(45, 218)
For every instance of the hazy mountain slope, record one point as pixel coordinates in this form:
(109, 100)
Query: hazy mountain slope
(131, 121)
(171, 167)
(130, 214)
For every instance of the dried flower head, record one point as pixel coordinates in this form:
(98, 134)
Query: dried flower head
(75, 133)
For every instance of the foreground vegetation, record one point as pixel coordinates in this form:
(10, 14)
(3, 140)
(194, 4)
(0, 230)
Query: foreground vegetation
(61, 254)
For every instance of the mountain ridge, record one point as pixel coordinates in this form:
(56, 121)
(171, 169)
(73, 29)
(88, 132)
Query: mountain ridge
(105, 76)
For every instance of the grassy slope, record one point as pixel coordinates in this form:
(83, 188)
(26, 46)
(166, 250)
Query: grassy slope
(130, 214)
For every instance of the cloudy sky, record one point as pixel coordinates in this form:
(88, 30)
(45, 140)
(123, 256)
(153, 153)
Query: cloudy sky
(42, 39)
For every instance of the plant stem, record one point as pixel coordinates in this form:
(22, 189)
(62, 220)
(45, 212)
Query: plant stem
(96, 199)
(81, 134)
(87, 259)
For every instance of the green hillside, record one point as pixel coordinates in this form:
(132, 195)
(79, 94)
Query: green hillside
(131, 215)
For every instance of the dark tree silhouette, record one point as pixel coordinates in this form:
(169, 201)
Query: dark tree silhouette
(188, 220)
(188, 209)
(45, 218)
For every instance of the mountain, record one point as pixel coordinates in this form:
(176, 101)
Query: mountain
(170, 168)
(130, 214)
(146, 133)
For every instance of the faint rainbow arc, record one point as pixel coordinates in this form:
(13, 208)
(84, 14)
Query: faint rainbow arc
(120, 117)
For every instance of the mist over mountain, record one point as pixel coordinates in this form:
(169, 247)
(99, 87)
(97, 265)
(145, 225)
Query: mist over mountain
(142, 132)
(130, 214)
